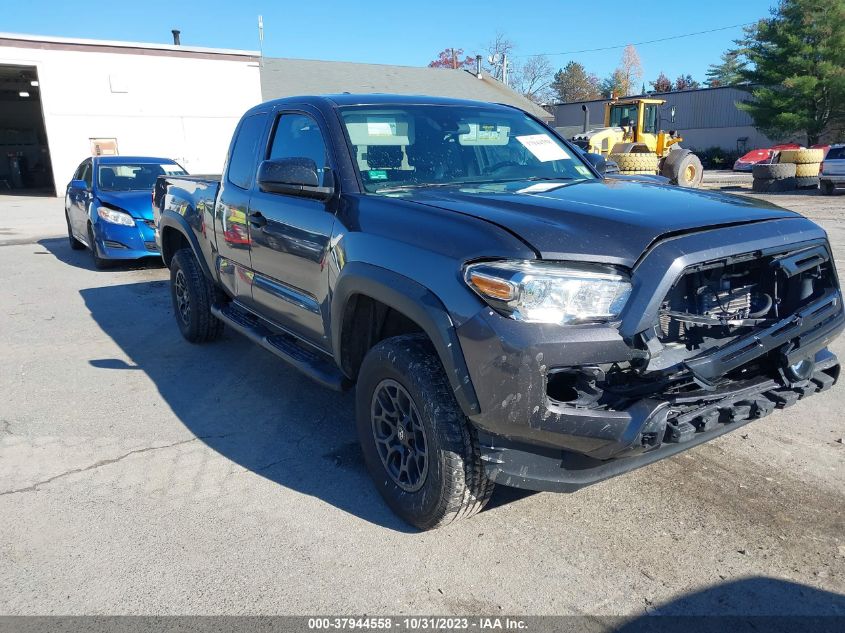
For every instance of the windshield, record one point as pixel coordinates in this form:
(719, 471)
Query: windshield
(429, 145)
(134, 176)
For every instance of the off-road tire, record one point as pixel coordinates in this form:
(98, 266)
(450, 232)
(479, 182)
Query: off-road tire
(638, 173)
(774, 171)
(196, 322)
(454, 485)
(75, 244)
(801, 156)
(827, 187)
(684, 170)
(99, 262)
(780, 185)
(807, 170)
(636, 162)
(808, 182)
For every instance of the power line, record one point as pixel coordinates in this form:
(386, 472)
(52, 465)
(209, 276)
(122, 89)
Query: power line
(662, 39)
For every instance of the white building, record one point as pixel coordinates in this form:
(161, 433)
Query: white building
(64, 99)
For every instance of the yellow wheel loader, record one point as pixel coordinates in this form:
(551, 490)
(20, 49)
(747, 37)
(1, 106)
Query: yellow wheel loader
(632, 137)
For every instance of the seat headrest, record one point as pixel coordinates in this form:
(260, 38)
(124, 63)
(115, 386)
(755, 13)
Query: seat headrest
(107, 176)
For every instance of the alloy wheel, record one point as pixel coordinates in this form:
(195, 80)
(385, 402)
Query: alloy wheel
(399, 435)
(183, 299)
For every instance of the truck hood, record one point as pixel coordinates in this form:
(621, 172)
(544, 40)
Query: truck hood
(138, 204)
(611, 221)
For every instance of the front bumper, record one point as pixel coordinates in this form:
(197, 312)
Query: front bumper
(521, 465)
(116, 241)
(531, 440)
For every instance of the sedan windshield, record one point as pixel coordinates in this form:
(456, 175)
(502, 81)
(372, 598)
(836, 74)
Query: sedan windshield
(431, 145)
(134, 176)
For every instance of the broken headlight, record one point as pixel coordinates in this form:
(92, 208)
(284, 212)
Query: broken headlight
(550, 292)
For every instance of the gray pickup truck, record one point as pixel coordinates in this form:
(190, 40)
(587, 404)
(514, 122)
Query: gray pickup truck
(504, 313)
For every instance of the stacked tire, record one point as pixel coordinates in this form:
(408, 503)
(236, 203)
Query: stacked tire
(807, 165)
(774, 178)
(636, 163)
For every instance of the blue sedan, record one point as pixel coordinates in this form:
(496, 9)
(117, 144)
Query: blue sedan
(108, 206)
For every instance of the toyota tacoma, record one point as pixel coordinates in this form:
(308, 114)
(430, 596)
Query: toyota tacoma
(504, 313)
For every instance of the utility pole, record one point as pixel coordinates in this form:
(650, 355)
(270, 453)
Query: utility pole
(454, 60)
(261, 40)
(505, 68)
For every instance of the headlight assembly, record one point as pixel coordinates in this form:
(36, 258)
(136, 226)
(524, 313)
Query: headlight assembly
(550, 292)
(114, 216)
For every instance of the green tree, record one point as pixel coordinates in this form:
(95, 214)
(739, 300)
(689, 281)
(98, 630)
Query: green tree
(573, 83)
(726, 72)
(797, 69)
(662, 83)
(614, 86)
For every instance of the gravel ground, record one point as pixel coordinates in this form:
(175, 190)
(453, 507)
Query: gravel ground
(142, 475)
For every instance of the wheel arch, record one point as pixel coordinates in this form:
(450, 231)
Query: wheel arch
(175, 234)
(412, 301)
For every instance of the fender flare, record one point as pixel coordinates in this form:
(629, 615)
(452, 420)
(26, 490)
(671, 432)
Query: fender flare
(174, 221)
(416, 302)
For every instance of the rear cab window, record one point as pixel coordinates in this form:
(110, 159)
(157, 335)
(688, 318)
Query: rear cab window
(242, 161)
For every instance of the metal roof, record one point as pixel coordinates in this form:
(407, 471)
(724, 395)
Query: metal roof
(291, 77)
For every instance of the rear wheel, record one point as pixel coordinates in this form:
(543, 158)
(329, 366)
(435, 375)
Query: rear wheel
(827, 187)
(418, 446)
(192, 296)
(75, 244)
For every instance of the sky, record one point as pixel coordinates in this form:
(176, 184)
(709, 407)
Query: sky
(412, 33)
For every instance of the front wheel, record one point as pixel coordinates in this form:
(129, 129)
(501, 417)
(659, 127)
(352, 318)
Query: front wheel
(192, 296)
(684, 170)
(99, 262)
(75, 244)
(418, 445)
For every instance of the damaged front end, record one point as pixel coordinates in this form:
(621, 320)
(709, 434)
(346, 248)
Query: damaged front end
(734, 338)
(713, 344)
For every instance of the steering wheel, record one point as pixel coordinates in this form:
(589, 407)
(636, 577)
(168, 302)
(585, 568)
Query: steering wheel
(502, 165)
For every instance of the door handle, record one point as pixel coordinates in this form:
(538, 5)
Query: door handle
(257, 219)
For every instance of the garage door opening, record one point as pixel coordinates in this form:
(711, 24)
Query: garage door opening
(24, 152)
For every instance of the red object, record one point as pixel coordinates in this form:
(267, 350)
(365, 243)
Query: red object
(757, 156)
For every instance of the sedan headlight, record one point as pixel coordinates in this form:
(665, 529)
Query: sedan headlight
(114, 216)
(550, 292)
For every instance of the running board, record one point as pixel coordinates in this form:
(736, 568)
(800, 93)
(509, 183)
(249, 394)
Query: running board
(313, 364)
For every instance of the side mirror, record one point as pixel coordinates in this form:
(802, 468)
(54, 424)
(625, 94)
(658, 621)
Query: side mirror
(293, 177)
(79, 184)
(598, 161)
